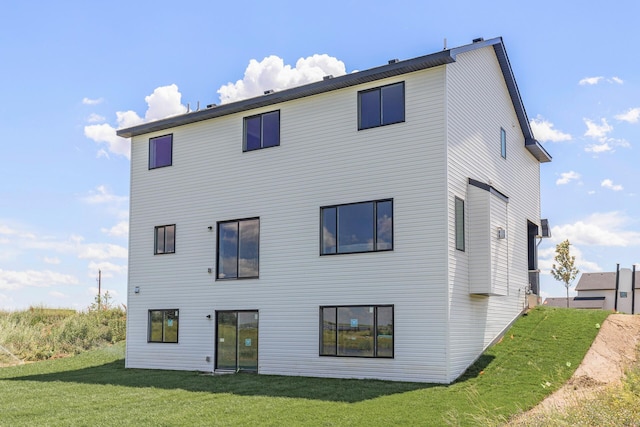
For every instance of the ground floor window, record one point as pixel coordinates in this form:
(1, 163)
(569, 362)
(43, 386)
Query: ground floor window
(163, 326)
(356, 331)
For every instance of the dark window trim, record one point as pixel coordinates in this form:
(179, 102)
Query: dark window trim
(503, 143)
(460, 245)
(375, 328)
(244, 131)
(155, 239)
(164, 311)
(379, 89)
(375, 227)
(163, 166)
(237, 255)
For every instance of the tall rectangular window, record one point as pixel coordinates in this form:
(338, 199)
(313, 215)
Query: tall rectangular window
(459, 218)
(165, 239)
(262, 131)
(238, 249)
(357, 227)
(356, 331)
(160, 151)
(503, 143)
(381, 106)
(163, 326)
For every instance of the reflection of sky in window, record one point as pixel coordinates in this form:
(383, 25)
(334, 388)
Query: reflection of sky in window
(369, 109)
(160, 151)
(392, 104)
(271, 129)
(248, 248)
(253, 133)
(355, 227)
(228, 250)
(238, 249)
(384, 214)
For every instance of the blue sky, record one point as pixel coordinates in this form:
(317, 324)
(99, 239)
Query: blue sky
(72, 72)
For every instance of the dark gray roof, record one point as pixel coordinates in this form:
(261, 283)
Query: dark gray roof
(593, 303)
(352, 79)
(601, 281)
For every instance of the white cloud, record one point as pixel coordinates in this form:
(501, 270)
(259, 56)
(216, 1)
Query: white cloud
(543, 131)
(599, 229)
(13, 280)
(590, 80)
(607, 183)
(107, 269)
(567, 177)
(272, 74)
(631, 116)
(95, 118)
(101, 251)
(121, 229)
(89, 101)
(102, 195)
(546, 260)
(616, 79)
(597, 131)
(165, 101)
(51, 260)
(57, 294)
(607, 144)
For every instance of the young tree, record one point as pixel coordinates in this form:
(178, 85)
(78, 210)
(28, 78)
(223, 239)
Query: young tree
(564, 269)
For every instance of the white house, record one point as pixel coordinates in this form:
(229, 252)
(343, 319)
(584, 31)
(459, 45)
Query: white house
(610, 291)
(382, 224)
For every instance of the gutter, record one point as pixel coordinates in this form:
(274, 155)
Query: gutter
(633, 289)
(615, 304)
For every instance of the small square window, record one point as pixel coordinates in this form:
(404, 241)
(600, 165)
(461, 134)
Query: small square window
(262, 131)
(163, 326)
(165, 239)
(381, 106)
(503, 143)
(160, 151)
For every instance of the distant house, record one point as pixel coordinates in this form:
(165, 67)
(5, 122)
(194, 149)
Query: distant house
(576, 302)
(616, 290)
(381, 224)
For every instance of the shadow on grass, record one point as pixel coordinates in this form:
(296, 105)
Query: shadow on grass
(243, 384)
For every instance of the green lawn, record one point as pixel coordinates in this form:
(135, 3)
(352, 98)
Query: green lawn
(535, 357)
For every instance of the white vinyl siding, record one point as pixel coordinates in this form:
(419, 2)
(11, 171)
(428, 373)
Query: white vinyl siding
(212, 180)
(478, 107)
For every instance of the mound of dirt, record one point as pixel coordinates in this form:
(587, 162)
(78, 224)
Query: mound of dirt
(604, 365)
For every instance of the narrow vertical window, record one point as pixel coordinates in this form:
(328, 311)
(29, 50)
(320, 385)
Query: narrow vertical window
(503, 143)
(381, 106)
(262, 131)
(165, 239)
(160, 151)
(238, 249)
(459, 218)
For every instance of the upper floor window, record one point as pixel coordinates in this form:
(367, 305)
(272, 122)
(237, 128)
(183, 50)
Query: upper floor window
(357, 331)
(357, 227)
(163, 326)
(238, 249)
(160, 151)
(459, 218)
(503, 143)
(165, 239)
(262, 131)
(381, 106)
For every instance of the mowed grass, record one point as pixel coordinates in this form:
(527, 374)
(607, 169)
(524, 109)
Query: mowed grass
(535, 357)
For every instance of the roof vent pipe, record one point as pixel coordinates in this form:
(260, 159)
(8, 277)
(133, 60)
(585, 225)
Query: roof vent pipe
(478, 40)
(267, 92)
(394, 61)
(327, 77)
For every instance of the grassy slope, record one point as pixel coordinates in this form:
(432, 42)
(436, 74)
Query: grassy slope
(536, 356)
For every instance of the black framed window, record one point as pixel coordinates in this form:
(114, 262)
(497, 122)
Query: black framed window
(160, 151)
(356, 331)
(503, 143)
(163, 326)
(262, 131)
(356, 227)
(238, 249)
(165, 239)
(381, 106)
(459, 219)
